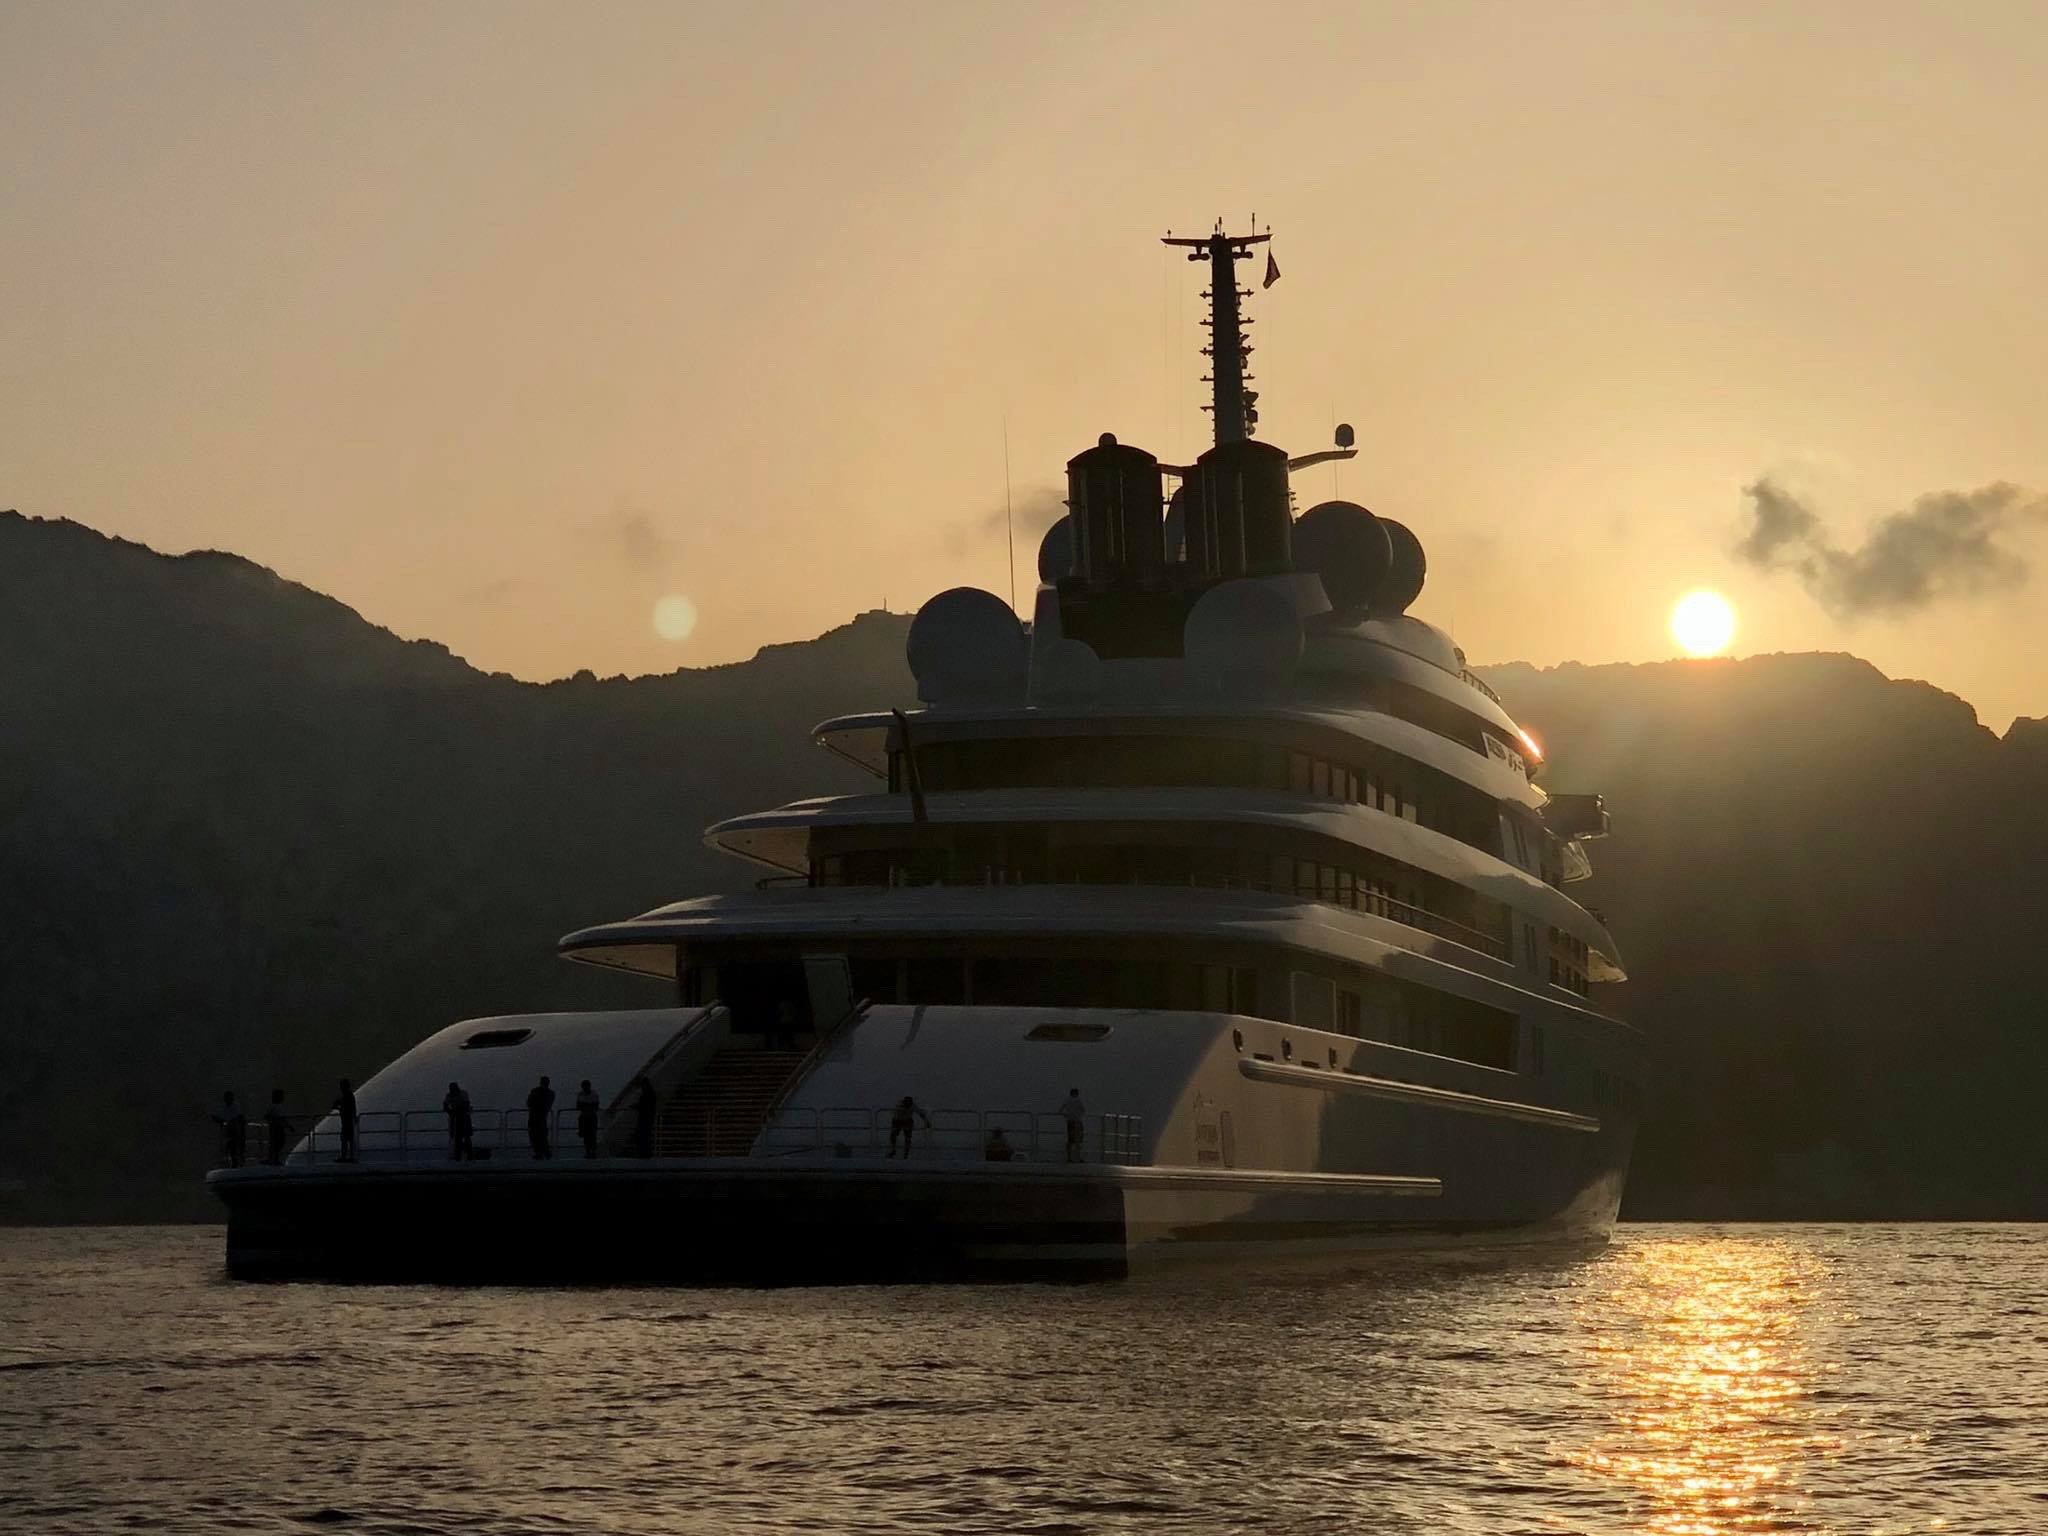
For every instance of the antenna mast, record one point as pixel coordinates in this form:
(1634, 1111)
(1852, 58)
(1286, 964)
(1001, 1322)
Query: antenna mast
(1236, 408)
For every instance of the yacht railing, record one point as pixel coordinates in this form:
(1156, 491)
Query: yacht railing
(955, 1135)
(385, 1135)
(502, 1135)
(1480, 683)
(1407, 913)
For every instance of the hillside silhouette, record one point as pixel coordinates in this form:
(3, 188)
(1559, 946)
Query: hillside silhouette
(248, 838)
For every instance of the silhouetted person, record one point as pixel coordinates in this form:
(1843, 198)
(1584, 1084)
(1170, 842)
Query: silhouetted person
(1076, 1115)
(901, 1123)
(540, 1106)
(277, 1130)
(234, 1130)
(587, 1106)
(461, 1122)
(998, 1149)
(644, 1106)
(785, 1026)
(345, 1107)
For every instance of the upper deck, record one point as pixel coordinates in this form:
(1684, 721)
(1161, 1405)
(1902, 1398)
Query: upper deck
(1211, 694)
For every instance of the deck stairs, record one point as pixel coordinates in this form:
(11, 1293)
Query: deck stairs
(720, 1111)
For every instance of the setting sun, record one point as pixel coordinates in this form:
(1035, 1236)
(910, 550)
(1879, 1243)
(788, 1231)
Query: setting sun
(1703, 622)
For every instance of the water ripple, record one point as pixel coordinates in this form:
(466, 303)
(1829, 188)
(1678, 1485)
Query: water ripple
(1683, 1382)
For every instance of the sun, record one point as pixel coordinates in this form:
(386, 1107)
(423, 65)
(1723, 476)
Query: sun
(1703, 622)
(675, 617)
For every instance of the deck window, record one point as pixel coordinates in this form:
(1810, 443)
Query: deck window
(1358, 773)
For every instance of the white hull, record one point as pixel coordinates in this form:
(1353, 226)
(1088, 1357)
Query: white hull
(1221, 1156)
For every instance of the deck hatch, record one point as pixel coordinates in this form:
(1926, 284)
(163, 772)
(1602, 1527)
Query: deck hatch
(494, 1039)
(1071, 1033)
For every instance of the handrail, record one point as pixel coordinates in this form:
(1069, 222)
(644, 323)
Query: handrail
(381, 1133)
(407, 1136)
(1468, 675)
(823, 1038)
(1408, 914)
(675, 1042)
(949, 1134)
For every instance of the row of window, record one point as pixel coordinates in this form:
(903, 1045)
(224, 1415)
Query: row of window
(1380, 886)
(1308, 774)
(1382, 780)
(766, 994)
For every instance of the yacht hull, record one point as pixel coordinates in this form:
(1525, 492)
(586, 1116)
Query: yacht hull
(729, 1221)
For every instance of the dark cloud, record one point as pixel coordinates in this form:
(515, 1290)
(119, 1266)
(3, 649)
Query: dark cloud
(1946, 544)
(631, 535)
(1033, 510)
(490, 591)
(1779, 520)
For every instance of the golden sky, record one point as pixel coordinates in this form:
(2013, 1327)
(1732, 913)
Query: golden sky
(502, 322)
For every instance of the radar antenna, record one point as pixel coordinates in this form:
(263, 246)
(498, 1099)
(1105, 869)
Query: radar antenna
(1236, 408)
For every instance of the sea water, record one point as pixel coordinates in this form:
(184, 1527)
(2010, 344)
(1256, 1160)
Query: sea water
(1684, 1379)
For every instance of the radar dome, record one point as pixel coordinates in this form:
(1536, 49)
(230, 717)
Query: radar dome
(1404, 576)
(966, 645)
(1348, 547)
(1056, 551)
(1242, 634)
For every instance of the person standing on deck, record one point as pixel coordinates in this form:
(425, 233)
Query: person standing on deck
(902, 1123)
(277, 1130)
(345, 1107)
(587, 1106)
(1076, 1115)
(234, 1130)
(461, 1123)
(540, 1107)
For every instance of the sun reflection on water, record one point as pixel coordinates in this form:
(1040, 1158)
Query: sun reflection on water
(1710, 1397)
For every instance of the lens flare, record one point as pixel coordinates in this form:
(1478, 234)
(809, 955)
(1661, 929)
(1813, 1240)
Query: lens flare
(675, 617)
(1703, 622)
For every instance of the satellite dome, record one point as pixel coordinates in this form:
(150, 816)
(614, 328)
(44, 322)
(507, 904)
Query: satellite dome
(966, 645)
(1056, 551)
(1348, 547)
(1067, 670)
(1404, 577)
(1242, 634)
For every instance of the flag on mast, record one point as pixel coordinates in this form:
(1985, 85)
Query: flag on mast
(1272, 271)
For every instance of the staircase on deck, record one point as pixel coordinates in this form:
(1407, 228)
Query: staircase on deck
(720, 1111)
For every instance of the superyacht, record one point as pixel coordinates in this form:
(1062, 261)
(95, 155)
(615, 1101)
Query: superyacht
(1215, 912)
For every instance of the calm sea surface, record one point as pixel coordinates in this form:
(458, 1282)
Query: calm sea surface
(1684, 1380)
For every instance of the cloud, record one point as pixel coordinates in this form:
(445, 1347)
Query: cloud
(490, 591)
(1032, 510)
(631, 535)
(1947, 544)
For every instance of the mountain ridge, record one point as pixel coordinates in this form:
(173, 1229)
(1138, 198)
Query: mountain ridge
(248, 835)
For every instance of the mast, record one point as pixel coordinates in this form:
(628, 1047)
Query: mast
(1236, 408)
